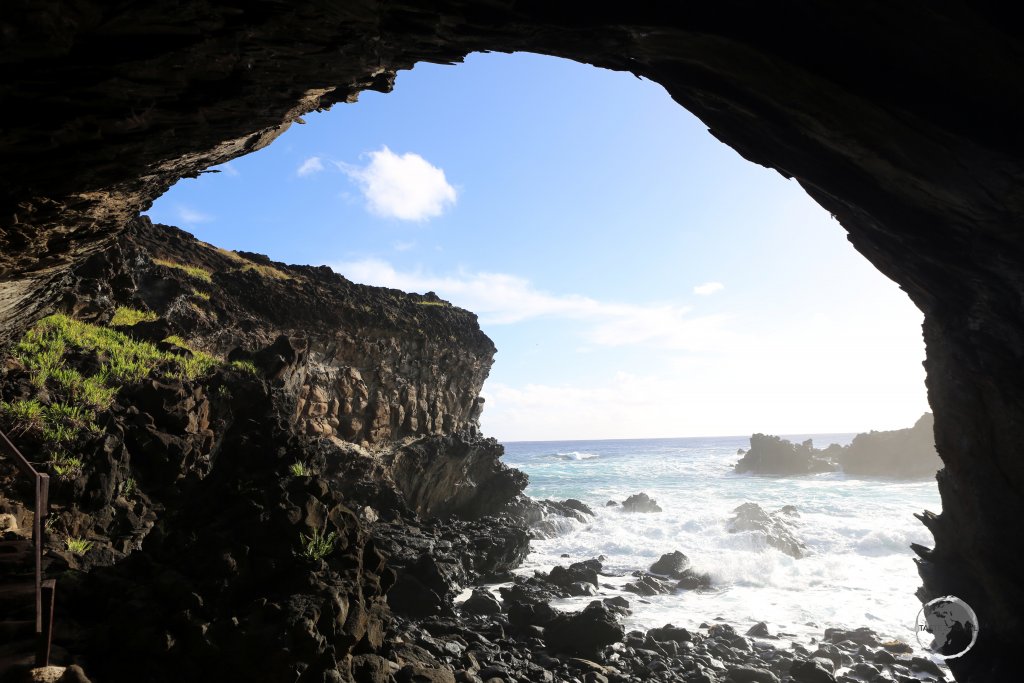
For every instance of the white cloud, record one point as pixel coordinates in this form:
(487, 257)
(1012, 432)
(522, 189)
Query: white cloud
(310, 166)
(405, 186)
(229, 169)
(190, 216)
(403, 246)
(500, 298)
(708, 288)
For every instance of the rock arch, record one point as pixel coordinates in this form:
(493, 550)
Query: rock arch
(900, 119)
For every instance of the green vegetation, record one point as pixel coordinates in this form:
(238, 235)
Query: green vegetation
(246, 264)
(192, 271)
(23, 416)
(199, 294)
(318, 545)
(434, 303)
(267, 271)
(52, 353)
(65, 466)
(126, 317)
(128, 487)
(78, 546)
(299, 469)
(246, 366)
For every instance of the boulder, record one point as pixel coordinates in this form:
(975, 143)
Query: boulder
(810, 671)
(584, 633)
(775, 528)
(481, 602)
(759, 630)
(640, 502)
(751, 674)
(668, 632)
(671, 564)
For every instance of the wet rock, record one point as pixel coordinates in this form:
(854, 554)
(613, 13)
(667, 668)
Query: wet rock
(668, 632)
(586, 572)
(640, 502)
(860, 636)
(775, 528)
(550, 518)
(648, 585)
(750, 674)
(810, 671)
(759, 630)
(584, 633)
(671, 564)
(482, 602)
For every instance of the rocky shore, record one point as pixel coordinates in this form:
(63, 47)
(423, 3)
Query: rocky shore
(266, 473)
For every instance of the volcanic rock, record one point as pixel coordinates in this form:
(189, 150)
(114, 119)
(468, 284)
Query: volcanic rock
(774, 455)
(774, 528)
(584, 633)
(671, 564)
(640, 502)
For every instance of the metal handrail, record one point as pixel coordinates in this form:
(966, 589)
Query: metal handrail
(44, 607)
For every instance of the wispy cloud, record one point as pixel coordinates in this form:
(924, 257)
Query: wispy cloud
(190, 216)
(310, 166)
(228, 169)
(404, 186)
(403, 246)
(500, 298)
(708, 288)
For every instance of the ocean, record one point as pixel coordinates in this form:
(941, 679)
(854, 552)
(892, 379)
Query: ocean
(859, 570)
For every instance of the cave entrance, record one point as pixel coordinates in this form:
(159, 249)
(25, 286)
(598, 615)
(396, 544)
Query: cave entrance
(640, 280)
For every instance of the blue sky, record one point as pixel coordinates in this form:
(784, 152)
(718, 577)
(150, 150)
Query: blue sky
(639, 278)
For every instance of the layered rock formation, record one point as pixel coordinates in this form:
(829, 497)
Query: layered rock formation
(900, 119)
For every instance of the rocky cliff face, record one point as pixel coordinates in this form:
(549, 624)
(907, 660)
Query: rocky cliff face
(247, 458)
(366, 365)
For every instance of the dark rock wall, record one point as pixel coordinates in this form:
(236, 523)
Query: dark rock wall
(366, 365)
(901, 119)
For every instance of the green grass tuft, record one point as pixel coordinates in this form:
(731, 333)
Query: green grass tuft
(126, 317)
(78, 546)
(246, 366)
(299, 469)
(192, 271)
(23, 415)
(318, 545)
(199, 294)
(65, 466)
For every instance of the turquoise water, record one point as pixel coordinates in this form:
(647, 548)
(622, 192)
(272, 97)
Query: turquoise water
(859, 571)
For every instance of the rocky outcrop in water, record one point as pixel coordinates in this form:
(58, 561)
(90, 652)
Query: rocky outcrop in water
(900, 454)
(640, 502)
(775, 528)
(773, 455)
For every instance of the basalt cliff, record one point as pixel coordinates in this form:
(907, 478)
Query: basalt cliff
(247, 458)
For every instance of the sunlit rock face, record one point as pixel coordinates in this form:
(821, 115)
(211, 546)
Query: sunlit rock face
(901, 119)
